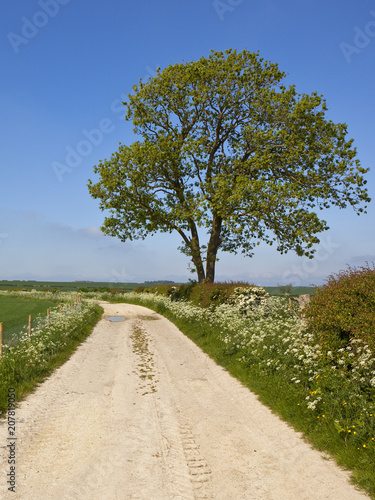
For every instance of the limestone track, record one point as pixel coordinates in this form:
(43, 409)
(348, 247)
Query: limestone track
(139, 412)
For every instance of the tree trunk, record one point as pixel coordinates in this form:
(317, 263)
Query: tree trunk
(212, 248)
(196, 256)
(199, 268)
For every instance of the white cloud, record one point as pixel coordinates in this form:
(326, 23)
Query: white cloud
(93, 231)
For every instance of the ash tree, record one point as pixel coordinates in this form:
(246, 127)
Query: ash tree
(225, 148)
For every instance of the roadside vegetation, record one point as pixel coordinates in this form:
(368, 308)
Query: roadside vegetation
(315, 368)
(15, 311)
(26, 364)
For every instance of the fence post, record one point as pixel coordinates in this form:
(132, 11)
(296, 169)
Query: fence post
(1, 339)
(29, 326)
(47, 318)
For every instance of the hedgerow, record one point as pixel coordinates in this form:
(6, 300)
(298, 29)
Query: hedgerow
(343, 310)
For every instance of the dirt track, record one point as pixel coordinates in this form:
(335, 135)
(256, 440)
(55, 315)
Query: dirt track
(139, 412)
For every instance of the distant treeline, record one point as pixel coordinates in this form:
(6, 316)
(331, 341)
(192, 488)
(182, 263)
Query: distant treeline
(165, 282)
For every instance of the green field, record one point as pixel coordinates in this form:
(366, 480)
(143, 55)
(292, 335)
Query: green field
(70, 286)
(15, 311)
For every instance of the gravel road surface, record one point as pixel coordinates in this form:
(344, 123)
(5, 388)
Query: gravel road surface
(139, 412)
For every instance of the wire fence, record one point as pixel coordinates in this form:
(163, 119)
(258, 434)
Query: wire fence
(10, 336)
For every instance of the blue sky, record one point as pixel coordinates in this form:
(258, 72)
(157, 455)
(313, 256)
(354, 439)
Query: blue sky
(67, 64)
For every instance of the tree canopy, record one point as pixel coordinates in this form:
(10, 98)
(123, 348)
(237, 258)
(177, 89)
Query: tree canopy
(226, 148)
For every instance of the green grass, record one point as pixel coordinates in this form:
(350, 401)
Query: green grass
(15, 311)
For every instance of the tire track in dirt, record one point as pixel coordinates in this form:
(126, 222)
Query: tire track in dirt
(167, 435)
(176, 433)
(186, 468)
